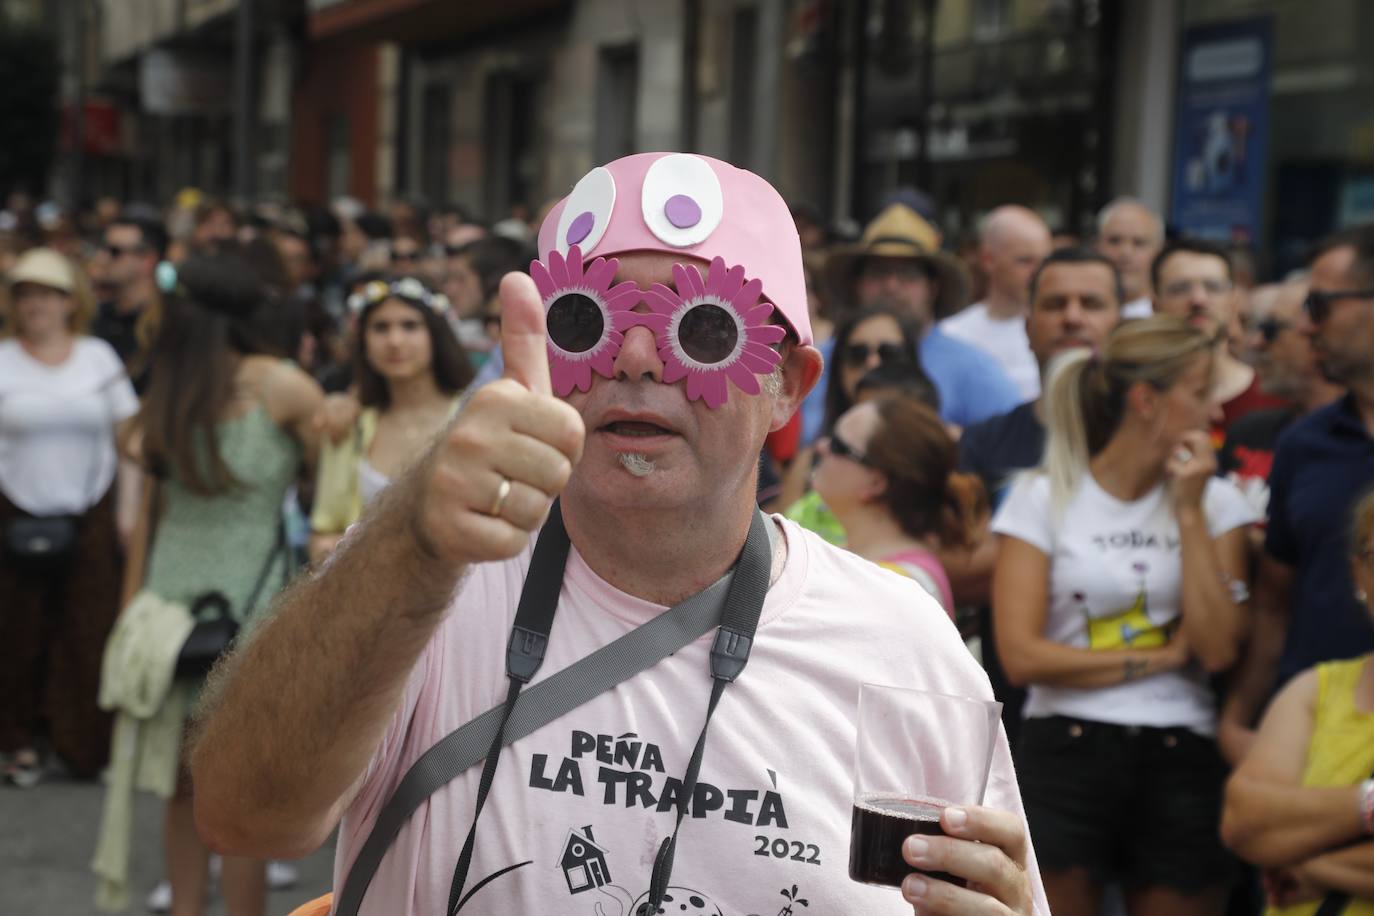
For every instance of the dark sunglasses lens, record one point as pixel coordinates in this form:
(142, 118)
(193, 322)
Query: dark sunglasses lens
(708, 334)
(856, 354)
(1315, 305)
(575, 323)
(891, 352)
(842, 449)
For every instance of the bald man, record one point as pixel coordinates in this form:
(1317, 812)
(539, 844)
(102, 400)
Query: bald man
(1130, 234)
(1012, 243)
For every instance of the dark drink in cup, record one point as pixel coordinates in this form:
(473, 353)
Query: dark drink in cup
(880, 826)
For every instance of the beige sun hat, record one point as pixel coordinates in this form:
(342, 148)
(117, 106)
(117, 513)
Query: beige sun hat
(44, 267)
(899, 232)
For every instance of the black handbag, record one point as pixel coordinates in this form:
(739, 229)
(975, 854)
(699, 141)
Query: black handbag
(213, 635)
(210, 638)
(44, 539)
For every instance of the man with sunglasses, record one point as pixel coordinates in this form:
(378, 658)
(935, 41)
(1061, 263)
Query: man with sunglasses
(1288, 370)
(1305, 611)
(133, 246)
(665, 333)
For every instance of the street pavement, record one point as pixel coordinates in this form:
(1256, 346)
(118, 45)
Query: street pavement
(47, 837)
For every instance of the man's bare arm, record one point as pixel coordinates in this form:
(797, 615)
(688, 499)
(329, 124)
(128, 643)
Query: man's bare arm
(296, 715)
(291, 720)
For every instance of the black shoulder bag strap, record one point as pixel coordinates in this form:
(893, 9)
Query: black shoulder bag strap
(568, 689)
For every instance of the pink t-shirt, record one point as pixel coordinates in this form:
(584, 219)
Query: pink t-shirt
(926, 568)
(579, 807)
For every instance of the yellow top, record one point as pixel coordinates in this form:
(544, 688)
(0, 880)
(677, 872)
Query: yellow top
(338, 502)
(1341, 752)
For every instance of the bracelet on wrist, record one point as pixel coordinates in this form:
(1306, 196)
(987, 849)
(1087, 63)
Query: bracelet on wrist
(1239, 590)
(1367, 806)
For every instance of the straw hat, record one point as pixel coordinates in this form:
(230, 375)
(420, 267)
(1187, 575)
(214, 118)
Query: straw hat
(899, 232)
(44, 267)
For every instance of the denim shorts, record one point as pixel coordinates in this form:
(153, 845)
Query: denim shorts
(1134, 804)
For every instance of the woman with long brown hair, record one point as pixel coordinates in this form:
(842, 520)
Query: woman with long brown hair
(1119, 590)
(887, 472)
(410, 371)
(226, 428)
(62, 396)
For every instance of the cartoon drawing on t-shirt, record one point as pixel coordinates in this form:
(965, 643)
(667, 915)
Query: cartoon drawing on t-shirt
(584, 862)
(681, 900)
(792, 900)
(1128, 628)
(685, 901)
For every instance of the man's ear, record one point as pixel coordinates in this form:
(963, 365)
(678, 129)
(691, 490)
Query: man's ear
(801, 367)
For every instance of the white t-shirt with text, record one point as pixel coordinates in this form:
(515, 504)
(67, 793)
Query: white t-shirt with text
(1115, 584)
(57, 423)
(579, 807)
(1003, 339)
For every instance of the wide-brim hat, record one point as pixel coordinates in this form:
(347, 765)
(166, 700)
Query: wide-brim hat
(899, 232)
(44, 267)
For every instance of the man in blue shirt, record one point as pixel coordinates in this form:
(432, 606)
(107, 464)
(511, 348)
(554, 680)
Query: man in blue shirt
(1305, 606)
(898, 264)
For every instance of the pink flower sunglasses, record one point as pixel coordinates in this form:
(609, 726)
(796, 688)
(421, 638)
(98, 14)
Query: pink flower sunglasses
(712, 330)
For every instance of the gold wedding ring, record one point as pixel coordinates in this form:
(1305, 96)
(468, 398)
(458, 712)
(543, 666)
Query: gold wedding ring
(502, 494)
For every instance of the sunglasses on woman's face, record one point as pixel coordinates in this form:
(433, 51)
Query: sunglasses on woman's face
(858, 354)
(842, 449)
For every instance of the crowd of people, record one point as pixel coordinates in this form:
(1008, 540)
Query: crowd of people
(1141, 487)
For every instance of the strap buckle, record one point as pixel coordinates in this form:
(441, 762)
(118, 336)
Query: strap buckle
(525, 653)
(729, 653)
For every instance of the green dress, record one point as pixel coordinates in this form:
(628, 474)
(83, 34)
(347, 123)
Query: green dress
(222, 542)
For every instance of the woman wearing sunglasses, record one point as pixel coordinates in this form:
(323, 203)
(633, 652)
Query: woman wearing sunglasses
(872, 338)
(887, 473)
(409, 373)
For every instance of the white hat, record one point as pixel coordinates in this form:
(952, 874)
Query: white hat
(44, 267)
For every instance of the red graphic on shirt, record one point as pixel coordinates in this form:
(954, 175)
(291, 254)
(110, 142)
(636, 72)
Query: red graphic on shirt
(1253, 463)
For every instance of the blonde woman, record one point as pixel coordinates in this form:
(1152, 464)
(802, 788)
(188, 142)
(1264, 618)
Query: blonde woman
(1118, 591)
(62, 395)
(1301, 804)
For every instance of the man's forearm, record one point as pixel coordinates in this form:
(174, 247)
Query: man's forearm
(292, 720)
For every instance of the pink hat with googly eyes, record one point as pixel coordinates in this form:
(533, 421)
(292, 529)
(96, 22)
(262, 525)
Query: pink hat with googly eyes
(696, 206)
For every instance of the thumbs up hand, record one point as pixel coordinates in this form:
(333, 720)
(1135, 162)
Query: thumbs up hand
(489, 481)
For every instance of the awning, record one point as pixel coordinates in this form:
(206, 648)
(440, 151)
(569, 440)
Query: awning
(418, 21)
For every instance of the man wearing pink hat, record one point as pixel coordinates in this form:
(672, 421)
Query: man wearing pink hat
(662, 335)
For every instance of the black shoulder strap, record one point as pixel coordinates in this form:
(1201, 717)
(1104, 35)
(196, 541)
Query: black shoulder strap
(553, 697)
